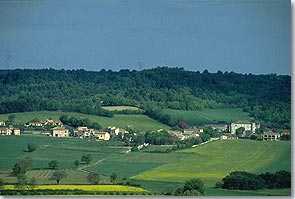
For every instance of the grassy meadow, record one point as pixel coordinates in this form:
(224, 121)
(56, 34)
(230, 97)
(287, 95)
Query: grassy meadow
(138, 121)
(208, 116)
(213, 161)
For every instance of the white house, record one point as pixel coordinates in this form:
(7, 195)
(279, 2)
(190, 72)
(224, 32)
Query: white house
(249, 126)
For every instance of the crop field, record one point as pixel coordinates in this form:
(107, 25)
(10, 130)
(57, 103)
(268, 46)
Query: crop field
(86, 187)
(213, 161)
(120, 108)
(208, 115)
(139, 122)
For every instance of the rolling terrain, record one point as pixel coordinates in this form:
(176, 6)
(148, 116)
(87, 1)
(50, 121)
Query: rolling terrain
(153, 171)
(138, 121)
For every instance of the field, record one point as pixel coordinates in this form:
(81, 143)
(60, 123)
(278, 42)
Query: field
(208, 116)
(213, 161)
(153, 171)
(120, 108)
(86, 187)
(139, 122)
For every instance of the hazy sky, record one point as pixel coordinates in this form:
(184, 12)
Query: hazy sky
(245, 36)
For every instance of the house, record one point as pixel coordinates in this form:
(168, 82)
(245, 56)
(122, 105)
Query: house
(271, 136)
(16, 131)
(82, 131)
(5, 131)
(103, 136)
(218, 127)
(2, 123)
(113, 129)
(59, 132)
(249, 126)
(53, 122)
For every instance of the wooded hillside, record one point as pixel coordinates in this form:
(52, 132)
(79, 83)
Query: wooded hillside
(266, 97)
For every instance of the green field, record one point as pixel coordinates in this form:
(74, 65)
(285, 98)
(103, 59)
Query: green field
(208, 116)
(153, 171)
(213, 161)
(139, 122)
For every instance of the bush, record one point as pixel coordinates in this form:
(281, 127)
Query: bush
(31, 147)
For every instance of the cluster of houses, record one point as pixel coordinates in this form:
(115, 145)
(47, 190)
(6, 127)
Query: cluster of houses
(8, 130)
(227, 131)
(85, 132)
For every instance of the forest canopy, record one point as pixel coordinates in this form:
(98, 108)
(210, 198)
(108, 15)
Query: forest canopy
(264, 97)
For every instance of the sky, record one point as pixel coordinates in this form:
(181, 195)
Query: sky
(244, 36)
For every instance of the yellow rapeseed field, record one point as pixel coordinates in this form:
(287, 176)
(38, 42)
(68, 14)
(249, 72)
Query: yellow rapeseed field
(86, 187)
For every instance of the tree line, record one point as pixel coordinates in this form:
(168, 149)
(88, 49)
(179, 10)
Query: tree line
(265, 97)
(243, 180)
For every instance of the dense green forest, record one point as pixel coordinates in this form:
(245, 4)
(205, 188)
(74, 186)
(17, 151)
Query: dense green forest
(265, 97)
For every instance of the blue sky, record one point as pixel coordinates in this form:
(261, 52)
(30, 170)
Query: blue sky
(244, 36)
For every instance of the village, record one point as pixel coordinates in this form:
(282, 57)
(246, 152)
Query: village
(241, 129)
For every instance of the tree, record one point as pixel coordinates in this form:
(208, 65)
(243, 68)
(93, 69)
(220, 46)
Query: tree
(32, 183)
(22, 182)
(31, 147)
(193, 187)
(21, 167)
(58, 175)
(2, 183)
(86, 158)
(240, 131)
(93, 178)
(76, 162)
(53, 164)
(114, 177)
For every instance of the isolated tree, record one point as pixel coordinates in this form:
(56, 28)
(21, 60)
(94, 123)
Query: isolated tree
(57, 176)
(32, 183)
(76, 162)
(21, 167)
(114, 177)
(53, 164)
(86, 158)
(31, 147)
(22, 182)
(93, 178)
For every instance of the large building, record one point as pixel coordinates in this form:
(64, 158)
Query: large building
(248, 126)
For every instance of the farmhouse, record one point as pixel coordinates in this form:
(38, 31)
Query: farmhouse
(249, 126)
(59, 132)
(271, 136)
(5, 131)
(103, 136)
(16, 131)
(113, 129)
